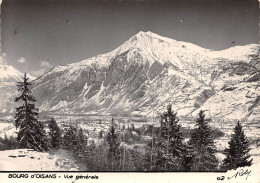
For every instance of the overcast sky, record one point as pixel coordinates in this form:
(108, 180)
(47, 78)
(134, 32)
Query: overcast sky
(40, 34)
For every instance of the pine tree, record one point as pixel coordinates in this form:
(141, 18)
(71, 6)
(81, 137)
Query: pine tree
(237, 153)
(81, 143)
(203, 147)
(128, 160)
(114, 146)
(101, 134)
(7, 143)
(187, 160)
(55, 134)
(26, 118)
(70, 139)
(95, 157)
(153, 155)
(42, 136)
(134, 160)
(171, 140)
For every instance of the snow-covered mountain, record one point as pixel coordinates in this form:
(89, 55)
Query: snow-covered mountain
(150, 71)
(9, 76)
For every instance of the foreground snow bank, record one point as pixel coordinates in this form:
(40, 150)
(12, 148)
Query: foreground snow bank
(30, 160)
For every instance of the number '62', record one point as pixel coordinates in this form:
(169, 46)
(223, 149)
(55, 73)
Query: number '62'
(221, 178)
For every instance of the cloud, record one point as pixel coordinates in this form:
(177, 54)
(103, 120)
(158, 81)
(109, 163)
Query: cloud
(22, 60)
(45, 64)
(44, 67)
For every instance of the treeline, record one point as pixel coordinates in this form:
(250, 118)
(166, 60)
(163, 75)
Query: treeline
(166, 151)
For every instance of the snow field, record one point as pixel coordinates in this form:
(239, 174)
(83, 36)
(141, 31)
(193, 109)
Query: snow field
(29, 160)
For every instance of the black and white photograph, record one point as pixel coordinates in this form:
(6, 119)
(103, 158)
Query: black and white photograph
(130, 86)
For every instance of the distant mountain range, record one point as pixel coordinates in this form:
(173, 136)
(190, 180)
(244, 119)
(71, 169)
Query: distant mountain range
(148, 72)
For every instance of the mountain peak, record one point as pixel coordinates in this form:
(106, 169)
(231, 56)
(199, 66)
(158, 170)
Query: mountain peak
(147, 33)
(8, 71)
(142, 35)
(150, 39)
(2, 61)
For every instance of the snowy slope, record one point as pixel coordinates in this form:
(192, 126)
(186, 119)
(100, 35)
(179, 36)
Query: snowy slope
(9, 74)
(238, 100)
(29, 160)
(147, 71)
(8, 78)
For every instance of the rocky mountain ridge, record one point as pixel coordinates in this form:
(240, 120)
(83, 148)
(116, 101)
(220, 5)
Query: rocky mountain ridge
(148, 72)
